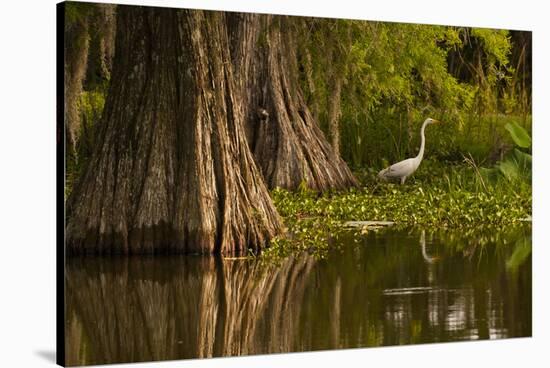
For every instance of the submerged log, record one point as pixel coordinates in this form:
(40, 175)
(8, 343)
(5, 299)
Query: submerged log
(368, 224)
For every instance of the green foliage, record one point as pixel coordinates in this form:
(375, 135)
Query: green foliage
(519, 135)
(91, 107)
(442, 197)
(76, 12)
(396, 75)
(515, 168)
(495, 43)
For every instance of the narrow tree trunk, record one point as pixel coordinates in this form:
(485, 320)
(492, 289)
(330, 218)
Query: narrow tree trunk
(334, 115)
(102, 39)
(313, 100)
(75, 64)
(410, 130)
(287, 143)
(172, 171)
(89, 49)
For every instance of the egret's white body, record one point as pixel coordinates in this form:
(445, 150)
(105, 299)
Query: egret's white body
(403, 169)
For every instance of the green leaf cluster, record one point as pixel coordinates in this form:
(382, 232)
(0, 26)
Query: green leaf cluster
(442, 197)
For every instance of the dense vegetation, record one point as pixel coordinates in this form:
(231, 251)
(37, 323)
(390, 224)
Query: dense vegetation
(456, 199)
(394, 75)
(369, 85)
(460, 197)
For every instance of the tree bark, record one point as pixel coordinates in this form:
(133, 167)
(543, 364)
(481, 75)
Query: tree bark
(334, 113)
(172, 171)
(288, 145)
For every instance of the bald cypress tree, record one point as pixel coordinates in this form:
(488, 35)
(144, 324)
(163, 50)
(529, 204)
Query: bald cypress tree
(287, 143)
(171, 170)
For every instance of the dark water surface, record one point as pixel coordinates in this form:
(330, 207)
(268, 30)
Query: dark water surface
(387, 288)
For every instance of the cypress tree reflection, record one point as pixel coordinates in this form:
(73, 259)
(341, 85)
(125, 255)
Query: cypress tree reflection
(380, 291)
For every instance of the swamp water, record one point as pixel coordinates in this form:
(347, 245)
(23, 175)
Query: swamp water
(384, 288)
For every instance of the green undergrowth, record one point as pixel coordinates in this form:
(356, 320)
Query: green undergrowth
(439, 197)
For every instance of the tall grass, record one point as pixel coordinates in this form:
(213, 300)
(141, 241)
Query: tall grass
(385, 137)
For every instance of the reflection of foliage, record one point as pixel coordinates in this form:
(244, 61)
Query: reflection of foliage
(475, 242)
(521, 253)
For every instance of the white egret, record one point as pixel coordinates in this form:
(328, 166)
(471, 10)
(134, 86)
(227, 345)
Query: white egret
(405, 168)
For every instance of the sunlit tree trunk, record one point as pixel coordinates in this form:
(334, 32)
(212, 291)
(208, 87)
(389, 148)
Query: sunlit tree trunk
(172, 171)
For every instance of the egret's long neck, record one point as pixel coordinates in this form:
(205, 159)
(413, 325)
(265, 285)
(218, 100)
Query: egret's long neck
(422, 142)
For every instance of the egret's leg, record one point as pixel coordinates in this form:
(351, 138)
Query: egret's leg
(403, 178)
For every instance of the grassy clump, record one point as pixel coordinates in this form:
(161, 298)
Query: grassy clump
(90, 107)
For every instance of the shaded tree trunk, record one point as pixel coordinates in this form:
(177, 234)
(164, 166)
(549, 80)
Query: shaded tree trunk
(102, 45)
(75, 64)
(287, 143)
(521, 55)
(89, 50)
(172, 171)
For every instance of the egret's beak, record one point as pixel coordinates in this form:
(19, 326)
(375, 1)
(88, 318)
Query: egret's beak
(436, 121)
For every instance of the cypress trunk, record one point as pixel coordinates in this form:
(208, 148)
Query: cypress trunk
(172, 171)
(287, 143)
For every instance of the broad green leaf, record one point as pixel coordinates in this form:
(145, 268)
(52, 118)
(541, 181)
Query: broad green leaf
(509, 168)
(519, 135)
(523, 159)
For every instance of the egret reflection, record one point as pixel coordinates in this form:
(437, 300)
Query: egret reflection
(427, 258)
